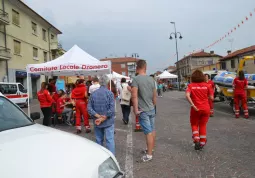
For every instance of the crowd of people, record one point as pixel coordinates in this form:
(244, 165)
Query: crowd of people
(96, 100)
(82, 100)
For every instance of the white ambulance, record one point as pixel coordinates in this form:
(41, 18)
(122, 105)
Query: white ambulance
(15, 92)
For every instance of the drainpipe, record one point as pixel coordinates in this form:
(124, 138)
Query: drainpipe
(46, 77)
(5, 45)
(49, 42)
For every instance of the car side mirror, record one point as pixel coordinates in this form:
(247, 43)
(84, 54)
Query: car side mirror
(35, 116)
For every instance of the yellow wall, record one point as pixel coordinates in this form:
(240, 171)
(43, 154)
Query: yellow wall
(23, 33)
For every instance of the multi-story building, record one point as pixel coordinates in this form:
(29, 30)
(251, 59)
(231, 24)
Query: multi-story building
(210, 67)
(123, 65)
(231, 61)
(25, 38)
(170, 69)
(195, 60)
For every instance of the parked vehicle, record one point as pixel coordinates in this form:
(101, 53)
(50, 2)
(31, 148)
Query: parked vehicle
(15, 92)
(26, 147)
(225, 83)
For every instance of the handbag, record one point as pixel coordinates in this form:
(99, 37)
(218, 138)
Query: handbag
(125, 94)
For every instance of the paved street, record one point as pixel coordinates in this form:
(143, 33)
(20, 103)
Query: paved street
(228, 154)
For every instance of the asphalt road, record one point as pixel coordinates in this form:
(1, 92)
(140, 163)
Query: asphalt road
(229, 152)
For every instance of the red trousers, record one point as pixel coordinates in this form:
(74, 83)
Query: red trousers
(198, 121)
(211, 107)
(243, 98)
(81, 110)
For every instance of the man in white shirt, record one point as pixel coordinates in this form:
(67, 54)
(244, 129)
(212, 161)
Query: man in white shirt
(95, 85)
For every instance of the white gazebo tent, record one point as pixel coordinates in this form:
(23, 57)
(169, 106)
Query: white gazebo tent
(117, 76)
(167, 75)
(74, 62)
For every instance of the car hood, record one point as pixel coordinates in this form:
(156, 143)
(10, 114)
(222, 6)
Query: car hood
(42, 152)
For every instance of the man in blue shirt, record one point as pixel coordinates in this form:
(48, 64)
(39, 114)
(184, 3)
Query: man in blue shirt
(101, 108)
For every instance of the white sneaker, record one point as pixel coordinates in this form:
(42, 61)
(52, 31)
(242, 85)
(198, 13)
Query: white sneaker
(146, 158)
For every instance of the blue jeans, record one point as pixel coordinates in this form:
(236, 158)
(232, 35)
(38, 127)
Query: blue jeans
(108, 133)
(147, 121)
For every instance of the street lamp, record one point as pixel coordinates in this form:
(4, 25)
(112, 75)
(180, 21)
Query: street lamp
(175, 34)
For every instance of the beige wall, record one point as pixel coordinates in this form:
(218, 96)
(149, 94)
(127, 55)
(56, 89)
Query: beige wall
(187, 65)
(249, 65)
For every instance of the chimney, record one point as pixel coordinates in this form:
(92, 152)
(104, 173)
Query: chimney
(229, 51)
(211, 52)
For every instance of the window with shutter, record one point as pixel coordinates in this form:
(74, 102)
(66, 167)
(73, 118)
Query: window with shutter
(34, 28)
(17, 47)
(44, 34)
(35, 53)
(45, 56)
(15, 17)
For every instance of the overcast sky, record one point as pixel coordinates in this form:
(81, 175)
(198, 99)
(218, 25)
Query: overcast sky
(118, 28)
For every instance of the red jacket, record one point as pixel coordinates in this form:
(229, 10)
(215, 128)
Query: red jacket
(199, 93)
(211, 84)
(60, 105)
(55, 97)
(240, 85)
(44, 98)
(79, 92)
(53, 88)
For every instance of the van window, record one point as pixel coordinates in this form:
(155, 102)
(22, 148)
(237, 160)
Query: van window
(212, 76)
(21, 88)
(8, 89)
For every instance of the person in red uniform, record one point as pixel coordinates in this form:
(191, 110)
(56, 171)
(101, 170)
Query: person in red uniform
(60, 102)
(52, 86)
(80, 95)
(240, 84)
(212, 85)
(45, 101)
(197, 94)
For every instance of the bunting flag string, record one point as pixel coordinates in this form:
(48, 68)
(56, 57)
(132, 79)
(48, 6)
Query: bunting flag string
(225, 35)
(231, 31)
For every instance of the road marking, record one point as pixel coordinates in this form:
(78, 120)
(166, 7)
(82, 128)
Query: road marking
(129, 152)
(120, 130)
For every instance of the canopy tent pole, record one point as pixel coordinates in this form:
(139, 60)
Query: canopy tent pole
(111, 76)
(28, 94)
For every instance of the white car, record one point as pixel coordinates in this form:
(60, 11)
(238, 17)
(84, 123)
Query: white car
(30, 150)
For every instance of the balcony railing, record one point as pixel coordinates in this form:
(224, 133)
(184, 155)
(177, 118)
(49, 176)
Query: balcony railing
(5, 53)
(131, 68)
(4, 18)
(55, 46)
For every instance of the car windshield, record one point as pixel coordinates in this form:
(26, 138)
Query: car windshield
(11, 116)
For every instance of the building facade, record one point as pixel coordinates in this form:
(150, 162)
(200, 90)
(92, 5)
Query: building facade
(231, 61)
(193, 61)
(123, 65)
(170, 69)
(208, 67)
(25, 38)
